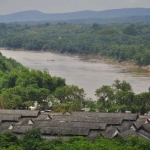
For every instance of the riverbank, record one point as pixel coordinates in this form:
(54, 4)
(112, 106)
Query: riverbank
(128, 64)
(89, 74)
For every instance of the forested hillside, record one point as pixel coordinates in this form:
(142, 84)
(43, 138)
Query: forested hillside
(123, 42)
(6, 65)
(21, 87)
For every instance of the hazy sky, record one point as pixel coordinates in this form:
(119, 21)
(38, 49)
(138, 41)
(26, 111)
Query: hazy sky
(59, 6)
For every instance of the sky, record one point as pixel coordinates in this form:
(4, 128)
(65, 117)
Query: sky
(60, 6)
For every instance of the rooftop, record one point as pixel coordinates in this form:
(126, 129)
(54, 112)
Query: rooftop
(87, 124)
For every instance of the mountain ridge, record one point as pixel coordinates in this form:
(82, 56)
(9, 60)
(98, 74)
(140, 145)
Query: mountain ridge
(34, 15)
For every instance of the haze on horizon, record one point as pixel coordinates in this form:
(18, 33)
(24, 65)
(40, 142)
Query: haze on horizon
(61, 6)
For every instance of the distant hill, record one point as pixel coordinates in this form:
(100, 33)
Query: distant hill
(133, 19)
(36, 16)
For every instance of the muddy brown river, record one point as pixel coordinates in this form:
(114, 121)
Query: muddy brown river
(87, 74)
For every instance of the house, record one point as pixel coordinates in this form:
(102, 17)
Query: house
(110, 132)
(87, 124)
(139, 122)
(126, 125)
(10, 117)
(23, 113)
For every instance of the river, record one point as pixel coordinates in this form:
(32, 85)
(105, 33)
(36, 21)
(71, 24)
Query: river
(87, 74)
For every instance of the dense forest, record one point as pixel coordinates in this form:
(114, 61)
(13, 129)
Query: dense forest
(33, 140)
(122, 42)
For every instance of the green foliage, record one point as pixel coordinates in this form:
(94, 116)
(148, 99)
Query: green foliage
(8, 64)
(68, 98)
(120, 97)
(20, 87)
(122, 86)
(32, 134)
(125, 42)
(105, 96)
(8, 139)
(130, 30)
(33, 140)
(89, 103)
(69, 93)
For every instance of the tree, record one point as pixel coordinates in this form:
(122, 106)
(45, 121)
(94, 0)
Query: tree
(10, 100)
(122, 86)
(105, 96)
(31, 139)
(3, 103)
(89, 103)
(95, 26)
(124, 98)
(130, 30)
(8, 139)
(68, 93)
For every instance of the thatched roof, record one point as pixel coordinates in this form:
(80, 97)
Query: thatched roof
(55, 113)
(49, 137)
(43, 117)
(125, 126)
(125, 116)
(9, 117)
(108, 120)
(91, 125)
(18, 129)
(139, 122)
(26, 121)
(65, 131)
(51, 114)
(144, 133)
(146, 127)
(61, 117)
(23, 113)
(49, 123)
(145, 116)
(110, 132)
(128, 133)
(45, 123)
(86, 124)
(5, 126)
(93, 134)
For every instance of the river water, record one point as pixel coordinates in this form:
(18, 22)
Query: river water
(87, 74)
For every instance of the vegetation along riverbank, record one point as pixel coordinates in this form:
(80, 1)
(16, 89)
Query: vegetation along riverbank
(121, 42)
